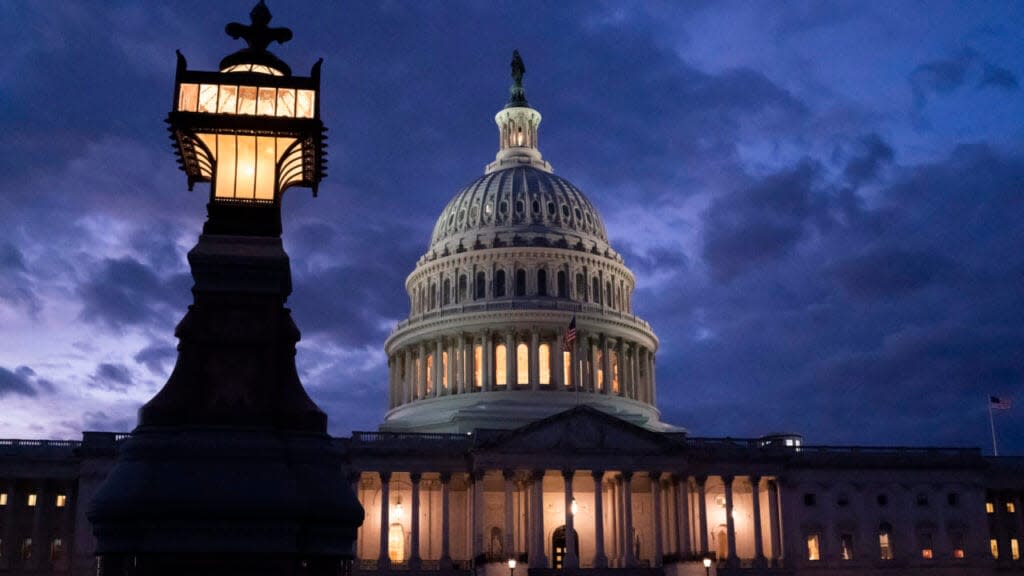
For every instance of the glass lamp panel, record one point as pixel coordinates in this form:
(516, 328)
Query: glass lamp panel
(266, 159)
(522, 364)
(188, 97)
(245, 174)
(207, 97)
(304, 104)
(225, 153)
(286, 102)
(247, 100)
(228, 99)
(544, 357)
(265, 107)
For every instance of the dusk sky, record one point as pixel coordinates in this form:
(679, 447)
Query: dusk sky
(823, 202)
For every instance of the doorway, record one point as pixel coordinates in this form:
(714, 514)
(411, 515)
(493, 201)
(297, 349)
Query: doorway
(558, 547)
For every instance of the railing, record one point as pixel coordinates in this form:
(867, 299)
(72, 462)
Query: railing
(392, 436)
(522, 304)
(827, 449)
(40, 443)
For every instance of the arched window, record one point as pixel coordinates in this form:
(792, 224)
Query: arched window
(581, 288)
(544, 363)
(562, 288)
(499, 283)
(481, 285)
(615, 371)
(447, 292)
(599, 367)
(462, 288)
(608, 294)
(430, 374)
(500, 363)
(542, 282)
(520, 282)
(522, 364)
(478, 366)
(595, 293)
(567, 369)
(444, 370)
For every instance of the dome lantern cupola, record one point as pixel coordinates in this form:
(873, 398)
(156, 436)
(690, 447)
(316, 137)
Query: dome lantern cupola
(517, 127)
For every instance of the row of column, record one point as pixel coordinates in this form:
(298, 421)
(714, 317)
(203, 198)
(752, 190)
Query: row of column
(671, 518)
(597, 364)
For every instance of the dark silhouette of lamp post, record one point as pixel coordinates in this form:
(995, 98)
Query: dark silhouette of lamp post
(230, 470)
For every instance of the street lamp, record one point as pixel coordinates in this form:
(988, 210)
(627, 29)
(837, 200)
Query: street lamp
(252, 130)
(707, 566)
(511, 566)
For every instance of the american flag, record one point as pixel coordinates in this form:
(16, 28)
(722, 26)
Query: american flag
(997, 403)
(570, 336)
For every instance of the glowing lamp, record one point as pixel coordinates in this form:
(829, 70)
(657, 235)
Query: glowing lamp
(511, 566)
(573, 507)
(252, 130)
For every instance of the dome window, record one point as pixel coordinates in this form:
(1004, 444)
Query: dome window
(519, 206)
(587, 218)
(473, 215)
(462, 216)
(565, 211)
(536, 207)
(503, 207)
(579, 215)
(499, 283)
(551, 209)
(488, 208)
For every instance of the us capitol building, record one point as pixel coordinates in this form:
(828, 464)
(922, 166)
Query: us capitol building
(506, 438)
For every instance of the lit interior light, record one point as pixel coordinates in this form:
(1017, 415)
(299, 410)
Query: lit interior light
(573, 508)
(399, 511)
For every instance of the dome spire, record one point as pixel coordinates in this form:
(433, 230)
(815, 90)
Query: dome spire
(517, 127)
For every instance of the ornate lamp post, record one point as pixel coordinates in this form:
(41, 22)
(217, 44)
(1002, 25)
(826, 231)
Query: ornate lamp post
(511, 566)
(231, 470)
(707, 565)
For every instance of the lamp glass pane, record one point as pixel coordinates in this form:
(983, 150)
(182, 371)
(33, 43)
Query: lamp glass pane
(188, 97)
(224, 152)
(266, 102)
(247, 100)
(245, 174)
(305, 104)
(207, 97)
(227, 100)
(286, 102)
(266, 157)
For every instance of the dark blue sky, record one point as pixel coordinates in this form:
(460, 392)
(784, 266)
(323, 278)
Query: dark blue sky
(822, 202)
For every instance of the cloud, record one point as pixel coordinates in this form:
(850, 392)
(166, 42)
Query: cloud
(16, 285)
(874, 153)
(157, 358)
(943, 76)
(123, 292)
(100, 421)
(884, 272)
(18, 382)
(109, 376)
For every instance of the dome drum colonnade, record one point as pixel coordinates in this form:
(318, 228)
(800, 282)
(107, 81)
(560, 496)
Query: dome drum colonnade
(516, 256)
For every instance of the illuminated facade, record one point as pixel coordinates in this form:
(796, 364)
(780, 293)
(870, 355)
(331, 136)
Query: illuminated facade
(498, 444)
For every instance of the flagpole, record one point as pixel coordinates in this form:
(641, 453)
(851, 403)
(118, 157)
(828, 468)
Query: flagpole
(992, 425)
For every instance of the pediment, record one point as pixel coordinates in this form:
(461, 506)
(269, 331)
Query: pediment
(581, 430)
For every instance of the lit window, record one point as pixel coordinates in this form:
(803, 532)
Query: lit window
(500, 363)
(599, 361)
(522, 364)
(957, 539)
(444, 370)
(1010, 507)
(615, 372)
(993, 545)
(990, 507)
(62, 500)
(846, 546)
(885, 542)
(544, 353)
(430, 374)
(3, 498)
(927, 552)
(31, 499)
(1014, 549)
(478, 363)
(567, 368)
(396, 542)
(814, 547)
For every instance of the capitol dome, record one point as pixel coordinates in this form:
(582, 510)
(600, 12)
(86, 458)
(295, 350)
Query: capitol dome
(519, 308)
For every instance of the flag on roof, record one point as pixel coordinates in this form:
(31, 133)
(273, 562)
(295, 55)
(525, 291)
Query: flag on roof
(570, 335)
(997, 403)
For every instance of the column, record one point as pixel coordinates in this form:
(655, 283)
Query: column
(461, 374)
(615, 511)
(478, 512)
(509, 544)
(702, 507)
(446, 557)
(627, 516)
(438, 375)
(656, 508)
(600, 560)
(410, 378)
(383, 562)
(730, 524)
(571, 560)
(558, 378)
(414, 548)
(535, 360)
(755, 489)
(682, 489)
(643, 380)
(488, 347)
(651, 383)
(510, 361)
(606, 366)
(620, 346)
(421, 384)
(537, 558)
(775, 530)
